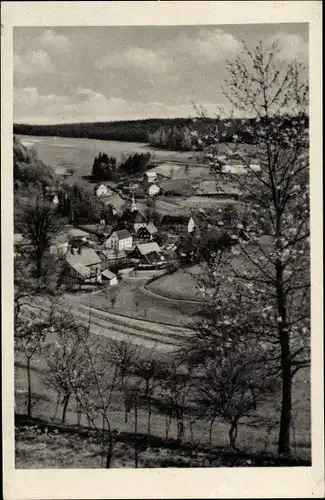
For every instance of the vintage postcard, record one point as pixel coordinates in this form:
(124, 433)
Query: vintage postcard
(162, 250)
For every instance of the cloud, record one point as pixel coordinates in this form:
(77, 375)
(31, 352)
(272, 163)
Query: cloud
(54, 41)
(137, 58)
(209, 45)
(34, 61)
(292, 46)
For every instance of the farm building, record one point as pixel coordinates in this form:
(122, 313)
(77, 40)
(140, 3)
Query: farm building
(84, 265)
(101, 231)
(111, 257)
(149, 177)
(85, 256)
(180, 220)
(109, 278)
(153, 189)
(102, 190)
(119, 240)
(146, 253)
(147, 232)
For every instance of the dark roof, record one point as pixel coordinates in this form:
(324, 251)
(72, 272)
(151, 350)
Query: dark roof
(97, 229)
(135, 216)
(122, 234)
(175, 219)
(150, 228)
(108, 274)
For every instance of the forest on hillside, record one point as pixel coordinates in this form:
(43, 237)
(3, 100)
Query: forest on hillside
(169, 133)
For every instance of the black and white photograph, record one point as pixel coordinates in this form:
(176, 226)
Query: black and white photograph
(161, 240)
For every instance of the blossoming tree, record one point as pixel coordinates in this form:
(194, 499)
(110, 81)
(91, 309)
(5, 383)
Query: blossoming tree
(267, 278)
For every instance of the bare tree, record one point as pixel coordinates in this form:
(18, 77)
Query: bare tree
(149, 372)
(124, 354)
(275, 251)
(63, 357)
(40, 222)
(30, 334)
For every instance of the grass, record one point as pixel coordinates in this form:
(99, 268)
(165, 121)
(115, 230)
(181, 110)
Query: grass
(132, 300)
(179, 285)
(33, 451)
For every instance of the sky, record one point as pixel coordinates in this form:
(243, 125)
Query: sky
(82, 74)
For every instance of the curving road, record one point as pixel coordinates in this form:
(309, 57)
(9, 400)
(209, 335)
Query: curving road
(149, 334)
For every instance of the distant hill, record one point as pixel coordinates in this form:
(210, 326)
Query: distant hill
(169, 133)
(130, 130)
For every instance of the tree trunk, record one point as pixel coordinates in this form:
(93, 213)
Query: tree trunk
(210, 432)
(285, 419)
(109, 454)
(168, 424)
(78, 414)
(113, 383)
(149, 416)
(65, 407)
(191, 424)
(126, 412)
(29, 390)
(57, 406)
(233, 435)
(136, 453)
(283, 333)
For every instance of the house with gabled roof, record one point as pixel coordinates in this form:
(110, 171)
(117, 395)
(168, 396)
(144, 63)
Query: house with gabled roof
(109, 278)
(119, 240)
(146, 253)
(187, 221)
(84, 264)
(147, 232)
(101, 190)
(149, 177)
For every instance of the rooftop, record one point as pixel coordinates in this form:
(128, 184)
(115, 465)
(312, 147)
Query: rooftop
(151, 228)
(108, 274)
(122, 234)
(86, 257)
(146, 248)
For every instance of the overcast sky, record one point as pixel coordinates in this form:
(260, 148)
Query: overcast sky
(118, 73)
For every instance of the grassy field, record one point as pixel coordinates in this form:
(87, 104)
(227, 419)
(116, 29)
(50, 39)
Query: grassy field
(47, 451)
(179, 285)
(132, 300)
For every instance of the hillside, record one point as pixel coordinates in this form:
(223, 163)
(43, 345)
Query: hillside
(134, 130)
(28, 168)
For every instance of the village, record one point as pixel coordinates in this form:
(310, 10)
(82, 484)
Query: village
(138, 237)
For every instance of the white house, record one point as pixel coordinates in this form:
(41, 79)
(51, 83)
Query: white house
(109, 278)
(153, 189)
(119, 240)
(101, 190)
(149, 177)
